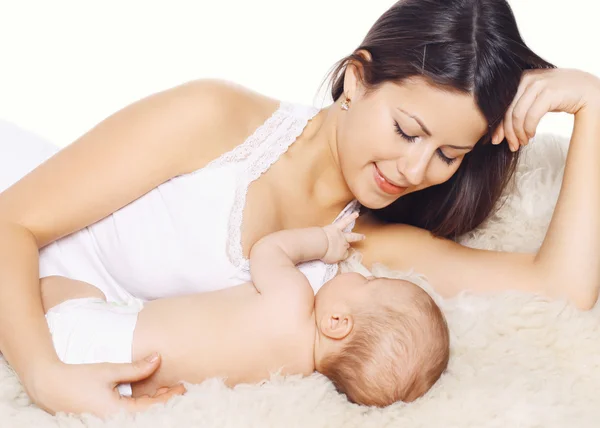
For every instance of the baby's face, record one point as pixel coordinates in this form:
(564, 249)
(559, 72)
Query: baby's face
(343, 288)
(358, 290)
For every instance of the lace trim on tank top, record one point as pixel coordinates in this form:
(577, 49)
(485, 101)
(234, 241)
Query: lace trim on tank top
(270, 141)
(262, 149)
(256, 139)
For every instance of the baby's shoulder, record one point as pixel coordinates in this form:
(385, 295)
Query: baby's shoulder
(288, 313)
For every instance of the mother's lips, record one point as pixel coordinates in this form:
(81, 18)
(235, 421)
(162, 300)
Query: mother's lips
(384, 184)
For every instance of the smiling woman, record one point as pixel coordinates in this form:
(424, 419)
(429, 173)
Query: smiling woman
(446, 76)
(417, 129)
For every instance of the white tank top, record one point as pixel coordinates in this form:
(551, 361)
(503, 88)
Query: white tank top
(184, 236)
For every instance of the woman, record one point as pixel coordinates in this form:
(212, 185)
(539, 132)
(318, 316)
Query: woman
(142, 196)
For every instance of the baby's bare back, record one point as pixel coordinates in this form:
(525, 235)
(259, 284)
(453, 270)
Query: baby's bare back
(235, 334)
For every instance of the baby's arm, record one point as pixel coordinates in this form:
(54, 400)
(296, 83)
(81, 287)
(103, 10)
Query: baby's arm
(225, 333)
(273, 259)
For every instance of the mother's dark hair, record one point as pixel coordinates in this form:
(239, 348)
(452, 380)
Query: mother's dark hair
(468, 46)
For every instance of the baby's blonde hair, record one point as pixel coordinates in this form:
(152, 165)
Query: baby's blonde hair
(398, 349)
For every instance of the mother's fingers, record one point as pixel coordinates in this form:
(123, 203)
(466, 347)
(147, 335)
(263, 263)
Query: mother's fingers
(142, 403)
(509, 132)
(541, 106)
(132, 372)
(178, 388)
(498, 134)
(520, 113)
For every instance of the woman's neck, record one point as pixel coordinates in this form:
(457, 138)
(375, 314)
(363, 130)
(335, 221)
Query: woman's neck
(315, 159)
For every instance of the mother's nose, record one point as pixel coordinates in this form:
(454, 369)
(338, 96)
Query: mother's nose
(414, 164)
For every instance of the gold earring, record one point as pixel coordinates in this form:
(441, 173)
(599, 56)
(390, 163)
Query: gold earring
(346, 104)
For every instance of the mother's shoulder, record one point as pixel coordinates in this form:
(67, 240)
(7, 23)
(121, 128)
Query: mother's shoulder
(236, 109)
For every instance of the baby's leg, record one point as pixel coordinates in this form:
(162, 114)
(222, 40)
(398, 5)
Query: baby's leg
(85, 328)
(58, 289)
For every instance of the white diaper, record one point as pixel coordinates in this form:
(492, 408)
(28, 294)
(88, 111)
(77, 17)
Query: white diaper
(90, 330)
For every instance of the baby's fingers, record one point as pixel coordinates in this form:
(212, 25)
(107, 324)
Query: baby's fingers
(354, 237)
(344, 222)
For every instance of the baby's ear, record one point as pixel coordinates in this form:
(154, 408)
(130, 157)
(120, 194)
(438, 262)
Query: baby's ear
(337, 326)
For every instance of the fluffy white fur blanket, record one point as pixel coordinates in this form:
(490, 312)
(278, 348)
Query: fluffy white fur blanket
(517, 360)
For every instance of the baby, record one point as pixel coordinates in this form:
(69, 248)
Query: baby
(378, 340)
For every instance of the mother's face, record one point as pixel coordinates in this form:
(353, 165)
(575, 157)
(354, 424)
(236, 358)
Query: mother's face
(404, 137)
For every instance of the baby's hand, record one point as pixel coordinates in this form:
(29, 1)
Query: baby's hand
(338, 241)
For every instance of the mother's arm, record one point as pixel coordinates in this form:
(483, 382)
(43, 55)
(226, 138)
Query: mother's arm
(567, 264)
(125, 156)
(448, 266)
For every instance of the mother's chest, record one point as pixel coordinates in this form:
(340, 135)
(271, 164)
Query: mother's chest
(173, 240)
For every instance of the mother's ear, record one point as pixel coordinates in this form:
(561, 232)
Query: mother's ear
(354, 76)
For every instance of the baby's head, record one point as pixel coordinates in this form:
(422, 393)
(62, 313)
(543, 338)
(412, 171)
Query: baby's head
(379, 340)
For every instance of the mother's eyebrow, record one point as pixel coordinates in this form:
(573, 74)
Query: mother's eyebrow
(460, 147)
(428, 132)
(419, 121)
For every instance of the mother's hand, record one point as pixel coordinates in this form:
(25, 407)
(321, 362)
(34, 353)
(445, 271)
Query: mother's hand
(92, 388)
(543, 91)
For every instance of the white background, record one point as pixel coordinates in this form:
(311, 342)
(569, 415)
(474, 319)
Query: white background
(65, 65)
